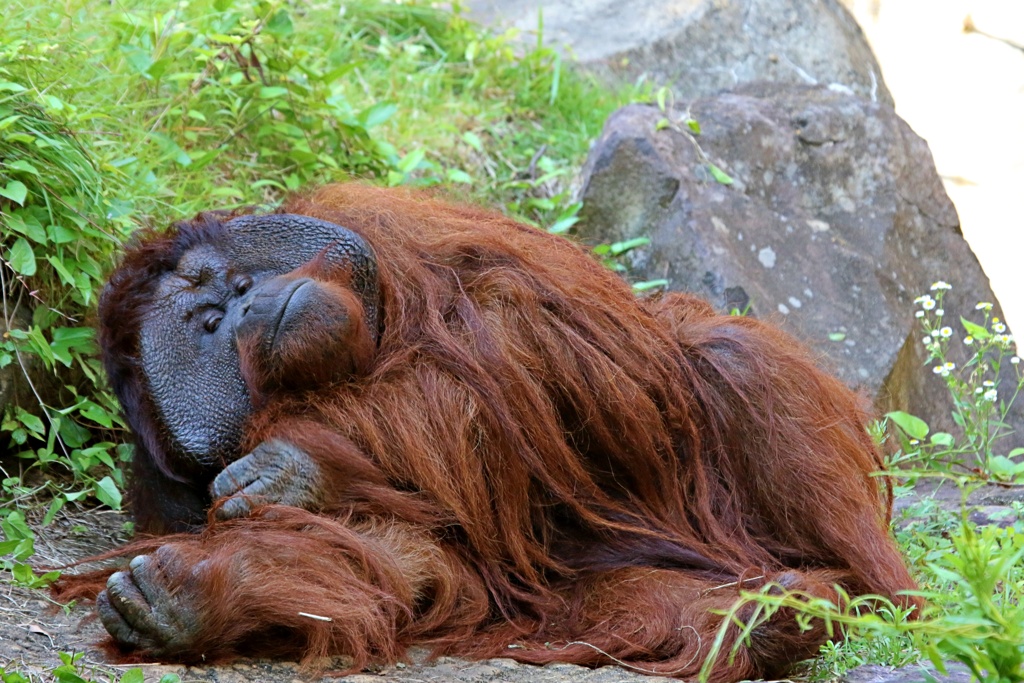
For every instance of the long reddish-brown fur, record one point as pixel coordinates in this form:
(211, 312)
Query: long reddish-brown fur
(541, 466)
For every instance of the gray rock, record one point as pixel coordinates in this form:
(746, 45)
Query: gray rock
(703, 46)
(836, 221)
(872, 673)
(987, 505)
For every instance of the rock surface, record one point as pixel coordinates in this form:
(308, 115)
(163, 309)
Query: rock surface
(835, 222)
(955, 673)
(699, 47)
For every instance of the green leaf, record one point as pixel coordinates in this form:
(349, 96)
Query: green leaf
(411, 160)
(63, 674)
(620, 248)
(693, 125)
(133, 676)
(15, 191)
(272, 92)
(339, 72)
(944, 439)
(171, 149)
(54, 508)
(74, 336)
(280, 26)
(107, 493)
(73, 434)
(139, 60)
(473, 140)
(377, 114)
(15, 528)
(225, 38)
(97, 414)
(59, 234)
(65, 274)
(22, 165)
(1004, 468)
(28, 225)
(837, 336)
(562, 225)
(31, 422)
(912, 426)
(661, 96)
(649, 284)
(9, 121)
(457, 175)
(22, 258)
(719, 175)
(975, 330)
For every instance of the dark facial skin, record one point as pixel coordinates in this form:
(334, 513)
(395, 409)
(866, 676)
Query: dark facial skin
(225, 328)
(189, 336)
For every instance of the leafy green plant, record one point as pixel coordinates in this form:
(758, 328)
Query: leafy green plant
(137, 113)
(72, 669)
(980, 403)
(687, 126)
(975, 614)
(973, 579)
(57, 236)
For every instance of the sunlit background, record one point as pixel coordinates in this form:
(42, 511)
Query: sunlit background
(963, 91)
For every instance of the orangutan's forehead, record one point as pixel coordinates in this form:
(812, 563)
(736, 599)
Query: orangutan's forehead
(199, 280)
(201, 264)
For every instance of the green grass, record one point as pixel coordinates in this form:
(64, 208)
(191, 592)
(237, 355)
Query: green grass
(116, 115)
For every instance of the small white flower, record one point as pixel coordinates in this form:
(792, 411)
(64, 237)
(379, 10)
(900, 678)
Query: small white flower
(939, 370)
(921, 299)
(1005, 339)
(918, 314)
(978, 390)
(988, 383)
(1015, 360)
(968, 340)
(926, 341)
(990, 395)
(941, 284)
(939, 312)
(946, 332)
(999, 327)
(950, 366)
(928, 305)
(914, 442)
(983, 306)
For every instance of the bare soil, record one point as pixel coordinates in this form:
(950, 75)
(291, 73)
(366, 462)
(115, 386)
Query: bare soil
(34, 631)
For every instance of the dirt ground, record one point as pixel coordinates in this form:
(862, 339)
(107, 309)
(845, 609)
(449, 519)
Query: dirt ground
(34, 630)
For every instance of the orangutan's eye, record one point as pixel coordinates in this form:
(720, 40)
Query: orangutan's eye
(212, 321)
